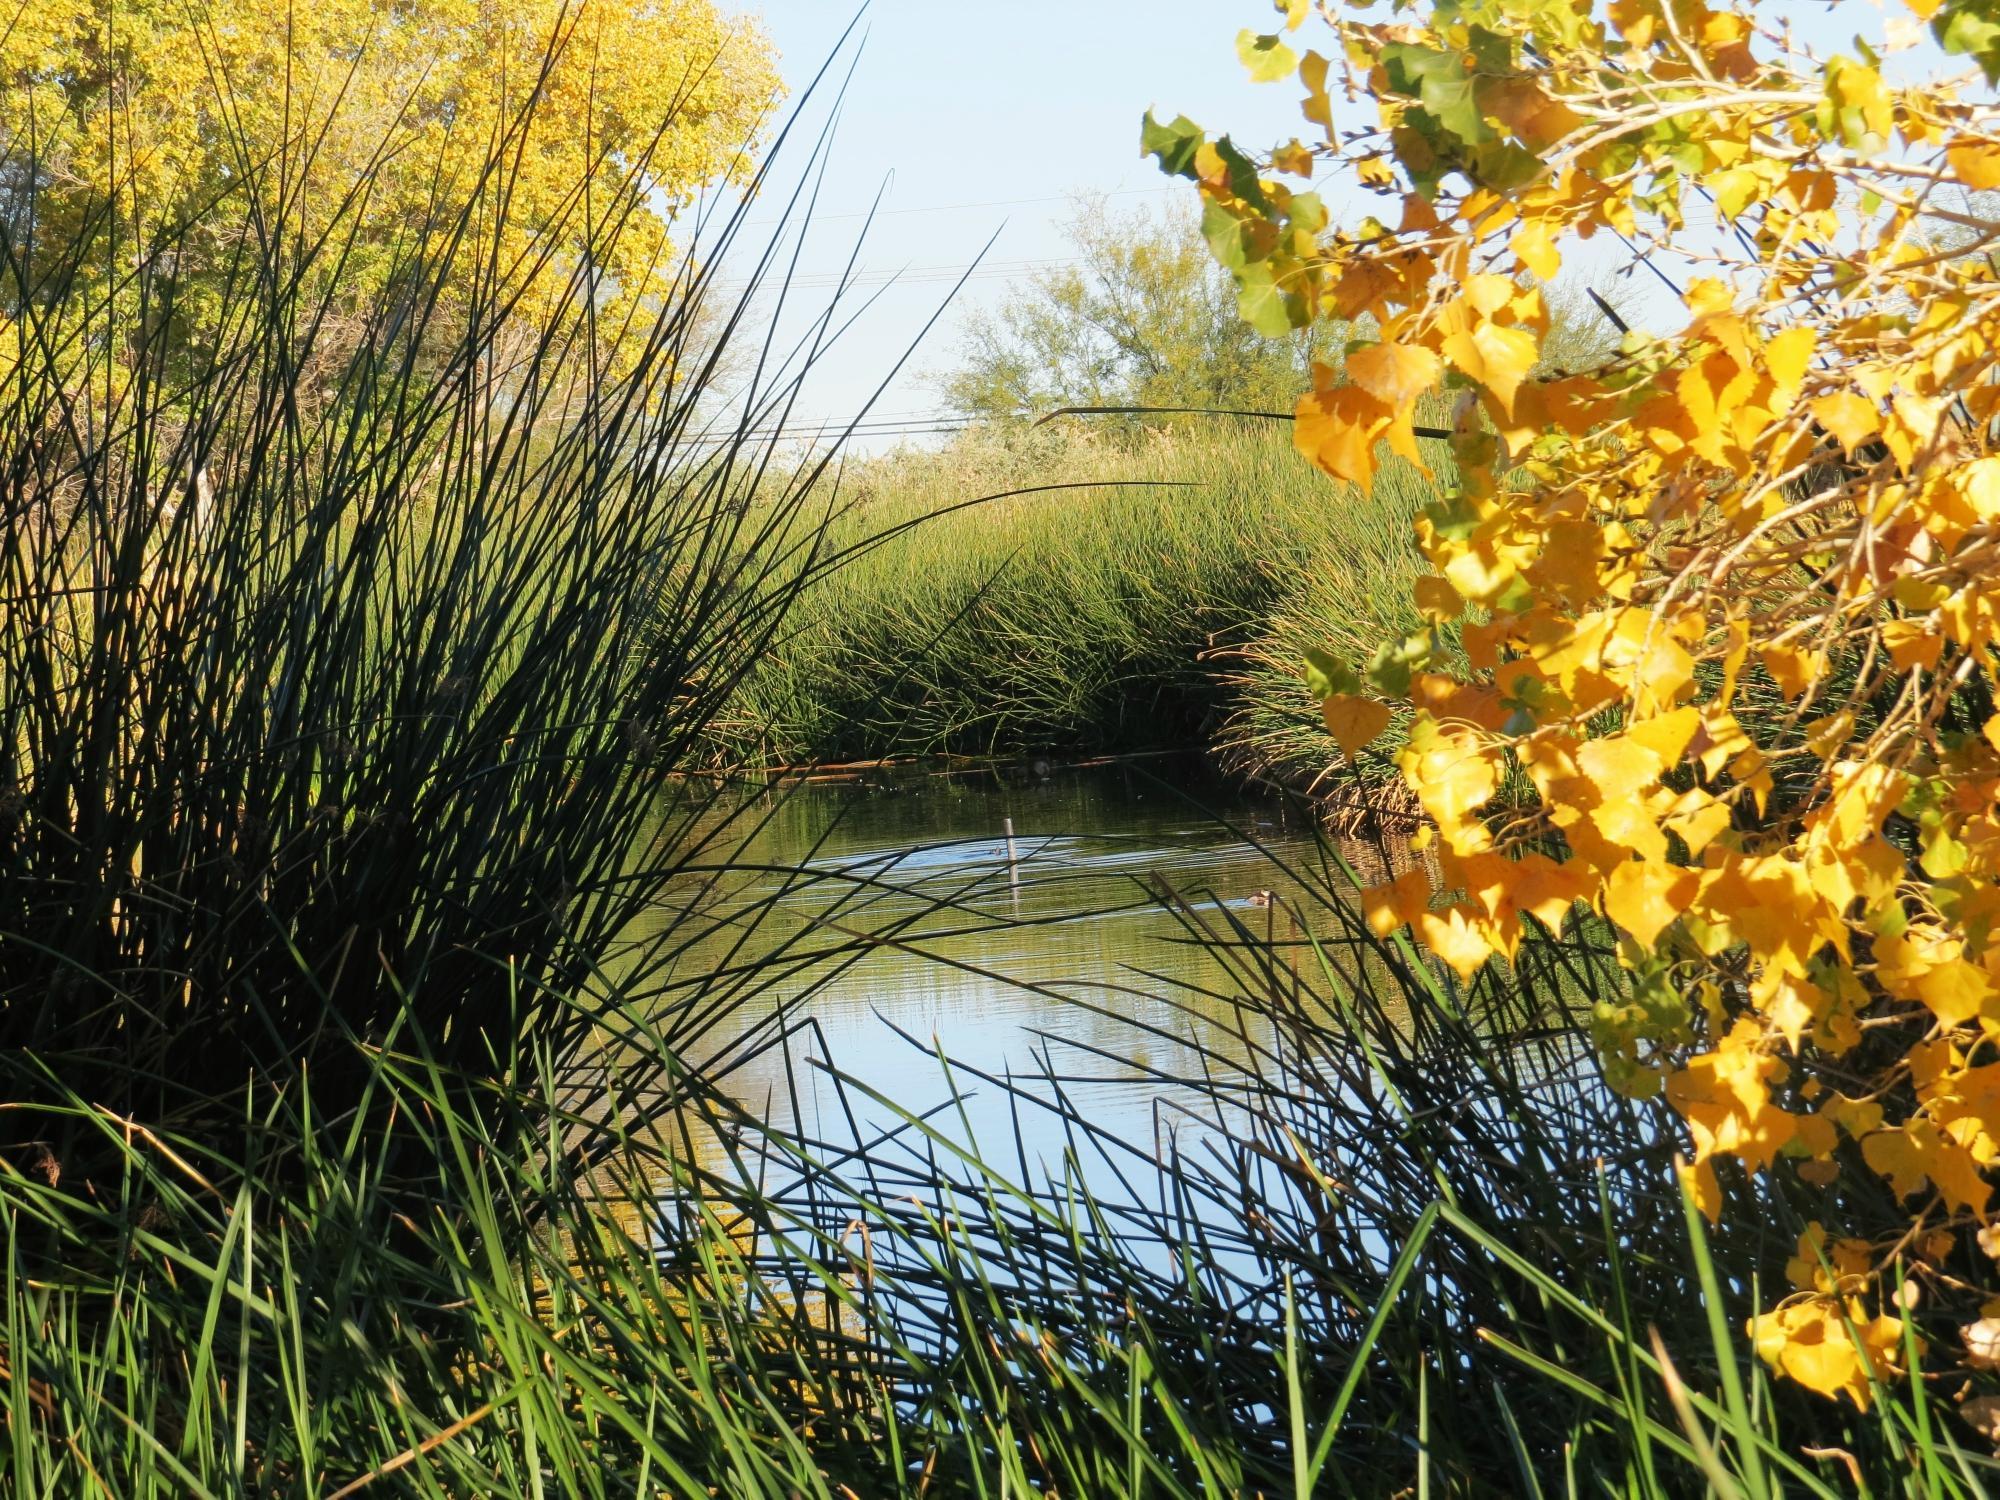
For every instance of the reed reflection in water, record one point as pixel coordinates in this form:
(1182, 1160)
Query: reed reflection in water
(1064, 963)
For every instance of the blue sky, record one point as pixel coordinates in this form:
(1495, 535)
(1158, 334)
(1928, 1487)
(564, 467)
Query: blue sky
(979, 118)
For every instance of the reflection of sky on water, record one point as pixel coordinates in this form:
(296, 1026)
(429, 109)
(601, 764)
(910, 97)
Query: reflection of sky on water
(1063, 961)
(876, 929)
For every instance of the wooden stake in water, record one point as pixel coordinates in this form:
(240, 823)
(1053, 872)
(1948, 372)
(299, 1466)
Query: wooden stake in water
(1013, 862)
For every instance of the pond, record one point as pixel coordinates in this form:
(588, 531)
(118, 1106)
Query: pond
(907, 927)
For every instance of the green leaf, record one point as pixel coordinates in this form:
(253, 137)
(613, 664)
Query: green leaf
(1408, 65)
(1235, 239)
(1504, 166)
(1268, 309)
(1735, 188)
(1308, 212)
(1439, 82)
(1175, 145)
(1454, 517)
(1971, 28)
(1243, 180)
(1267, 57)
(1325, 676)
(1454, 104)
(1224, 232)
(1944, 856)
(1492, 51)
(1390, 668)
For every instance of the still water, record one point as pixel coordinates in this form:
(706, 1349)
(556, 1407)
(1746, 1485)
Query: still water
(906, 930)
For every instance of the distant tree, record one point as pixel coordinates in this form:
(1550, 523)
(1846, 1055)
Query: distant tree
(1142, 316)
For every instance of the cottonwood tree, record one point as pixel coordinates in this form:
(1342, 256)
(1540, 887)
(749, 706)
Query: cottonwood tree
(144, 144)
(1725, 605)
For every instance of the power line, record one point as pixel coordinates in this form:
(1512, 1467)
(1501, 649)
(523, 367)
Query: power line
(952, 208)
(908, 275)
(827, 428)
(829, 431)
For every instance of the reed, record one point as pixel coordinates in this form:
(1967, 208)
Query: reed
(349, 647)
(352, 1139)
(1122, 597)
(1404, 1241)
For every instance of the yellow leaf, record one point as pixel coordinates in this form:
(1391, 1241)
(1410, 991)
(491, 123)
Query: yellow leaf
(1397, 904)
(1571, 558)
(1486, 293)
(1856, 96)
(1453, 776)
(1698, 818)
(1976, 162)
(1457, 935)
(1535, 247)
(1791, 1004)
(1793, 668)
(1267, 57)
(1437, 600)
(1645, 898)
(1912, 644)
(1294, 159)
(1318, 105)
(1830, 1345)
(1851, 419)
(1620, 766)
(1395, 373)
(1337, 429)
(1497, 358)
(1725, 1097)
(1979, 483)
(1919, 1153)
(1737, 187)
(1548, 891)
(1635, 20)
(1353, 721)
(1788, 355)
(1850, 1260)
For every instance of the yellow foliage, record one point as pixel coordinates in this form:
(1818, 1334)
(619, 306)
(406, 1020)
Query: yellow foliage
(1830, 1345)
(1733, 594)
(1353, 721)
(379, 126)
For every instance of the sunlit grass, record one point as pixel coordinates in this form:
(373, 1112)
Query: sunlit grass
(354, 1132)
(1139, 592)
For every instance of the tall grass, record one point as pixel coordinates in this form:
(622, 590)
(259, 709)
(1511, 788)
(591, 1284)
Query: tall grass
(347, 649)
(1136, 592)
(1404, 1242)
(351, 1141)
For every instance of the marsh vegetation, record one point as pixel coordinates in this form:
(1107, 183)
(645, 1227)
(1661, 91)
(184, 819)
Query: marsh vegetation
(434, 1059)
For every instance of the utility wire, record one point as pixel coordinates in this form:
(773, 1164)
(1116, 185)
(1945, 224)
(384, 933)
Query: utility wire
(952, 208)
(914, 275)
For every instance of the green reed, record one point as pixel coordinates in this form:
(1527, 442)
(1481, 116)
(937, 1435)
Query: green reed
(348, 647)
(351, 1142)
(1138, 591)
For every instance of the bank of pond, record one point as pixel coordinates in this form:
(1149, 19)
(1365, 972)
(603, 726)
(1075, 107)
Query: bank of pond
(1070, 594)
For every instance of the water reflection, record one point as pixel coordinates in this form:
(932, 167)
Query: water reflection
(1060, 962)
